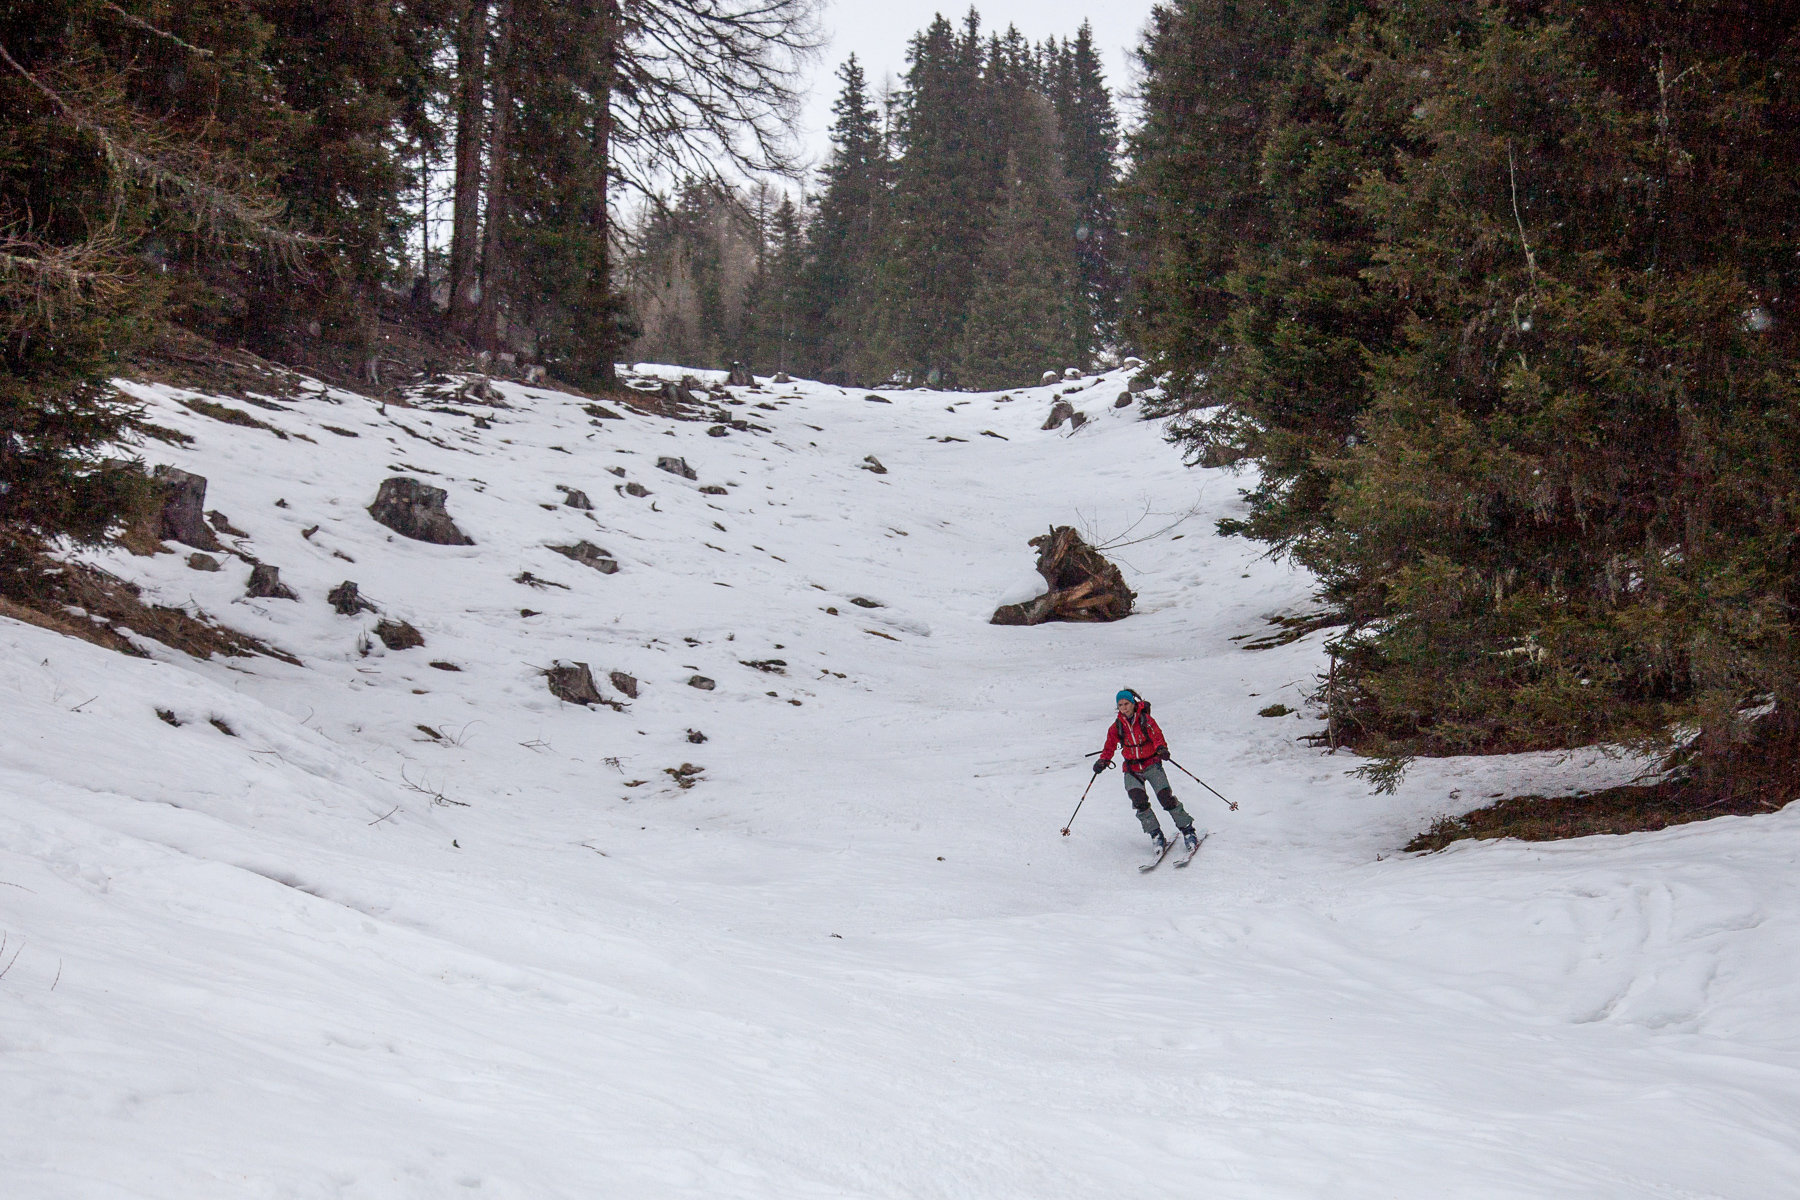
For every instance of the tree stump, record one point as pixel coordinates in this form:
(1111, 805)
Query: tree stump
(265, 584)
(183, 516)
(347, 600)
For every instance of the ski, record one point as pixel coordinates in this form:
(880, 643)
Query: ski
(1187, 858)
(1157, 861)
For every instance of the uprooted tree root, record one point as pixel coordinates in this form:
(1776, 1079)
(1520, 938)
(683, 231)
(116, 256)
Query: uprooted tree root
(85, 602)
(1082, 584)
(1756, 778)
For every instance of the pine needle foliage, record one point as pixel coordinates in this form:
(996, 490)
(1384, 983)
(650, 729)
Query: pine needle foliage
(1514, 347)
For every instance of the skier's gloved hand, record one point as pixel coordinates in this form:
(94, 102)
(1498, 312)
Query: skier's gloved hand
(1100, 764)
(1162, 754)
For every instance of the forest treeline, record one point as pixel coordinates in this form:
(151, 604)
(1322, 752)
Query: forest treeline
(1499, 299)
(961, 231)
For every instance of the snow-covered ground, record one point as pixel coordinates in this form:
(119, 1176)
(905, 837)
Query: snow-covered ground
(855, 959)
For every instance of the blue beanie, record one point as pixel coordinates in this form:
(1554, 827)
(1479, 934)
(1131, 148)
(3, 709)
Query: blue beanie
(1127, 694)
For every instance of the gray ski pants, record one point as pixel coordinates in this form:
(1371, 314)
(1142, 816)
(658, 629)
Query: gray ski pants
(1165, 795)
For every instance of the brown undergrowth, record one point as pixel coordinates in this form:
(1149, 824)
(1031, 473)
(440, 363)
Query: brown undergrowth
(83, 601)
(1757, 777)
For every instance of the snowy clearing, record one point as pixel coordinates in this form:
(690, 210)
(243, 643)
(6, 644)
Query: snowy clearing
(407, 931)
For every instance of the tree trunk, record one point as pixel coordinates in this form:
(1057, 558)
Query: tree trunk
(465, 226)
(493, 249)
(599, 219)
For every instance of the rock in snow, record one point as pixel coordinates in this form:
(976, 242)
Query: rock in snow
(589, 555)
(572, 682)
(416, 510)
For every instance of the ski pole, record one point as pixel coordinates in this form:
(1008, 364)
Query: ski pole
(1080, 802)
(1201, 782)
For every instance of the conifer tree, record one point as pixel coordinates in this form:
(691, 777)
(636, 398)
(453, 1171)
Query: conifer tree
(655, 88)
(845, 241)
(111, 171)
(562, 309)
(1571, 518)
(945, 180)
(1075, 82)
(1191, 201)
(773, 305)
(1290, 387)
(1026, 312)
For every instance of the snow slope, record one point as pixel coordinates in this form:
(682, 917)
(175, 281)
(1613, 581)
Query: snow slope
(334, 955)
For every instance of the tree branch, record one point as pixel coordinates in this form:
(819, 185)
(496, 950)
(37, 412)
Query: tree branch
(139, 23)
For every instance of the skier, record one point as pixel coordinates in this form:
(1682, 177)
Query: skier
(1136, 733)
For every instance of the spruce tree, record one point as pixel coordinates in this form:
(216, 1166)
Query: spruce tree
(1510, 342)
(116, 179)
(1075, 82)
(563, 310)
(945, 180)
(1025, 314)
(1291, 387)
(1570, 519)
(839, 309)
(777, 331)
(1191, 201)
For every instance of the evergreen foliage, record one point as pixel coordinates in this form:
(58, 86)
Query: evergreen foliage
(111, 171)
(1505, 317)
(1027, 308)
(945, 176)
(1192, 202)
(840, 305)
(1088, 128)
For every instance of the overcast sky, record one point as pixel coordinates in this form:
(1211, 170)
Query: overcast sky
(877, 31)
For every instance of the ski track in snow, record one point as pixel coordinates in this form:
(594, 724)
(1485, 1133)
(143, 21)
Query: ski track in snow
(257, 965)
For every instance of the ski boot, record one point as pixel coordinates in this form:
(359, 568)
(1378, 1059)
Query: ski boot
(1190, 840)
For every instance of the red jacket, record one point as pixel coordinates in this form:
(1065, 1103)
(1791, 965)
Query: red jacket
(1139, 736)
